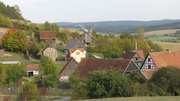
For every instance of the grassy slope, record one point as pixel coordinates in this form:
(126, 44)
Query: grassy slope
(157, 98)
(167, 45)
(10, 56)
(98, 54)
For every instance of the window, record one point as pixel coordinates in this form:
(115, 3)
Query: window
(77, 53)
(149, 66)
(149, 59)
(136, 58)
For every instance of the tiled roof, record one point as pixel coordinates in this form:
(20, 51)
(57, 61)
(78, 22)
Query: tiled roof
(149, 73)
(140, 53)
(66, 65)
(163, 59)
(44, 35)
(32, 67)
(93, 64)
(72, 50)
(130, 54)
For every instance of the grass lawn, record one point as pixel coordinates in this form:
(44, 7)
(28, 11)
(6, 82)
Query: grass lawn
(157, 98)
(161, 38)
(98, 54)
(167, 45)
(60, 66)
(11, 56)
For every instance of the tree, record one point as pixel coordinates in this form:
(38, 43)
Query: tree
(30, 93)
(15, 41)
(108, 84)
(50, 68)
(141, 33)
(112, 36)
(168, 78)
(47, 26)
(33, 47)
(126, 36)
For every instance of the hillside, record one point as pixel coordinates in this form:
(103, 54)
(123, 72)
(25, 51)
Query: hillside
(124, 26)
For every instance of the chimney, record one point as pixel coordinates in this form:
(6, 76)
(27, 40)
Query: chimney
(135, 45)
(168, 50)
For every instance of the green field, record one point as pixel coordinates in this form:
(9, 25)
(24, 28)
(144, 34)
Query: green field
(167, 45)
(157, 98)
(10, 56)
(161, 38)
(60, 66)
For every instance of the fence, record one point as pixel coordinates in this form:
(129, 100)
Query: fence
(50, 91)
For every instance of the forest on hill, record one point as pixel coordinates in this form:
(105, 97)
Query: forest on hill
(118, 27)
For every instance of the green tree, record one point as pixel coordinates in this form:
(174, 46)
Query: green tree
(30, 93)
(141, 33)
(33, 47)
(168, 78)
(50, 68)
(47, 26)
(108, 84)
(112, 36)
(126, 36)
(15, 41)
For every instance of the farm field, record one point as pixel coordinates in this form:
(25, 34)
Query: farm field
(157, 98)
(161, 38)
(167, 45)
(161, 32)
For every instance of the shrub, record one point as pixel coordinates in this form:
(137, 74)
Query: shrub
(30, 93)
(90, 49)
(80, 92)
(108, 84)
(168, 79)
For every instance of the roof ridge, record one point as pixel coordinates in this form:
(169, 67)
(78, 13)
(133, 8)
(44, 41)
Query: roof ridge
(163, 51)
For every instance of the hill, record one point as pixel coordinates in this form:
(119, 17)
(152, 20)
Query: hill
(124, 26)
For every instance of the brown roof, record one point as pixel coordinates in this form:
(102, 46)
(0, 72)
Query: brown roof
(140, 53)
(93, 64)
(72, 50)
(32, 67)
(130, 54)
(45, 35)
(164, 59)
(149, 73)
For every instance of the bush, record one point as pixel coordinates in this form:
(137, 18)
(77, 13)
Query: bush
(90, 49)
(108, 84)
(140, 89)
(44, 60)
(30, 93)
(80, 92)
(168, 79)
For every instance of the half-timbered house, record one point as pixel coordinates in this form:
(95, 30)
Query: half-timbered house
(157, 60)
(50, 52)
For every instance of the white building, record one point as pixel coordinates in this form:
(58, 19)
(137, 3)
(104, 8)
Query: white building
(32, 70)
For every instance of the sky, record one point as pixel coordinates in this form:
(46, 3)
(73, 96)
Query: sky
(39, 11)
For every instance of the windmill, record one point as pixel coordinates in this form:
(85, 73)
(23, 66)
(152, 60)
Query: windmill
(87, 34)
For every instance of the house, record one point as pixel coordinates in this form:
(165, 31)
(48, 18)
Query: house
(88, 65)
(76, 54)
(50, 52)
(32, 70)
(68, 69)
(47, 35)
(157, 60)
(73, 44)
(137, 55)
(2, 51)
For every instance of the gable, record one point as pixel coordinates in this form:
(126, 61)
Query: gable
(149, 62)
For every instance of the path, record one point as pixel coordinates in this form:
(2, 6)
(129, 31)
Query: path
(97, 57)
(63, 99)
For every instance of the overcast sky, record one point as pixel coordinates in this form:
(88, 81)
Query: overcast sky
(39, 11)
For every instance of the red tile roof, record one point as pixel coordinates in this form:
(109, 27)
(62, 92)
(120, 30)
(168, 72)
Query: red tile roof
(149, 73)
(72, 50)
(45, 35)
(93, 64)
(130, 54)
(32, 67)
(164, 59)
(140, 53)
